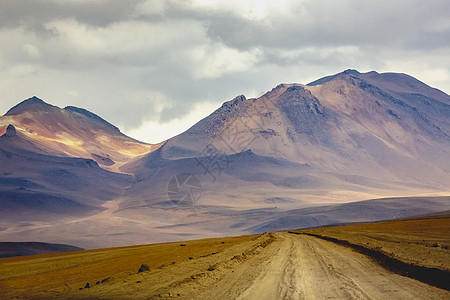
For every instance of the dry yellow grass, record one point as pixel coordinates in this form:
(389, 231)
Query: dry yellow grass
(424, 242)
(53, 275)
(230, 266)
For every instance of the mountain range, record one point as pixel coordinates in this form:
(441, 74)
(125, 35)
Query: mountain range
(299, 155)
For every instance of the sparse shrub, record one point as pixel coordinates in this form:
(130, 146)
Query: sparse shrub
(144, 268)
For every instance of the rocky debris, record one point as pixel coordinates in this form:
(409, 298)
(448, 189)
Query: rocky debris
(107, 279)
(209, 254)
(10, 131)
(167, 295)
(144, 268)
(87, 286)
(105, 161)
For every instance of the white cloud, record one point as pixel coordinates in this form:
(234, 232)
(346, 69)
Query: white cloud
(155, 132)
(438, 77)
(149, 8)
(31, 50)
(76, 1)
(19, 71)
(255, 10)
(215, 59)
(136, 42)
(72, 93)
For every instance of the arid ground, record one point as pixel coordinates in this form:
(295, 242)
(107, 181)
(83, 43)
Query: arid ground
(269, 266)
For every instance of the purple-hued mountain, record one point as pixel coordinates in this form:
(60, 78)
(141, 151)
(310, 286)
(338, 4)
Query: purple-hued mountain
(347, 136)
(72, 132)
(300, 155)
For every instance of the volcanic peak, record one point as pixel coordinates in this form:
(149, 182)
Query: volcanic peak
(30, 104)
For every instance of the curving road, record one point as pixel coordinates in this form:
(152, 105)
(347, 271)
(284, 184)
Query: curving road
(270, 266)
(304, 267)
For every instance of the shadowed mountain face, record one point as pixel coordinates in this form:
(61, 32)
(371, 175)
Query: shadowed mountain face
(288, 158)
(33, 248)
(35, 184)
(54, 162)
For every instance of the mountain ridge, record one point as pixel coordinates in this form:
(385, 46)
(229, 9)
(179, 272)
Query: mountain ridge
(381, 111)
(73, 131)
(292, 156)
(89, 114)
(28, 105)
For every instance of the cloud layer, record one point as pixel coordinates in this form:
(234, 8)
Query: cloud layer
(162, 62)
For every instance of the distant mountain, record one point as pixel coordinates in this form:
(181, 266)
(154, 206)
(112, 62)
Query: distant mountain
(56, 163)
(300, 155)
(9, 249)
(36, 184)
(73, 132)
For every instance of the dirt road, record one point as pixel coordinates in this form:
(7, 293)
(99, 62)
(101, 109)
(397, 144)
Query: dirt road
(303, 267)
(268, 266)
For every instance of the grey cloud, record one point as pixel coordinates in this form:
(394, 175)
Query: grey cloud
(32, 13)
(333, 23)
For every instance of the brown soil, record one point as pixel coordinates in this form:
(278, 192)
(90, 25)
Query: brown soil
(268, 266)
(55, 275)
(423, 242)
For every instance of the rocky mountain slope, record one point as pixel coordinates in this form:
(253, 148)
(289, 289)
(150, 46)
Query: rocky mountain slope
(350, 135)
(291, 158)
(72, 132)
(36, 184)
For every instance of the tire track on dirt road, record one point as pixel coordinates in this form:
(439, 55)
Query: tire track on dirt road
(306, 267)
(268, 266)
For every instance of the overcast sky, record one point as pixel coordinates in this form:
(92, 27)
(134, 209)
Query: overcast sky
(155, 67)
